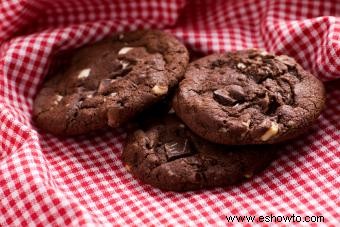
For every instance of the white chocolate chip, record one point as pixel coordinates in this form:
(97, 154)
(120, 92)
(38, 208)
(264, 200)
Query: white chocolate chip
(181, 125)
(241, 66)
(124, 64)
(89, 96)
(264, 53)
(171, 111)
(248, 175)
(124, 50)
(272, 131)
(113, 94)
(159, 90)
(121, 36)
(223, 130)
(247, 123)
(171, 146)
(58, 98)
(170, 173)
(84, 73)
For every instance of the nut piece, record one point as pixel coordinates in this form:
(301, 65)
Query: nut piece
(159, 90)
(241, 66)
(84, 73)
(272, 131)
(124, 50)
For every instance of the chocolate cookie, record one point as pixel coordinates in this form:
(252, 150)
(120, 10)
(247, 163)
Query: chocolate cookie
(167, 155)
(109, 82)
(248, 97)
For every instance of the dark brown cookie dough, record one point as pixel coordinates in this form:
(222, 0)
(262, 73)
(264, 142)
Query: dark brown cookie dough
(167, 155)
(109, 82)
(248, 97)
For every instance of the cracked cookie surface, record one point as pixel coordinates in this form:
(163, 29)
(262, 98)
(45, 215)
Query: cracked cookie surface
(248, 97)
(110, 82)
(167, 155)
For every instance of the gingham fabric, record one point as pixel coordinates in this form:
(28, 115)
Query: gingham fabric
(46, 180)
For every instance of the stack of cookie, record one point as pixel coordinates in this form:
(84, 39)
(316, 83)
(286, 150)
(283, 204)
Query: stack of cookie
(226, 115)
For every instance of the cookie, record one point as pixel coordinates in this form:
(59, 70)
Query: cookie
(110, 82)
(167, 155)
(248, 97)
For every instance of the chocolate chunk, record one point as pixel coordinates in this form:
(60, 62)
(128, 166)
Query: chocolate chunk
(177, 149)
(122, 70)
(236, 92)
(222, 96)
(104, 86)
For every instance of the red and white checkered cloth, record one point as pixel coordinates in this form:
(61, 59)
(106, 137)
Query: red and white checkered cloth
(81, 181)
